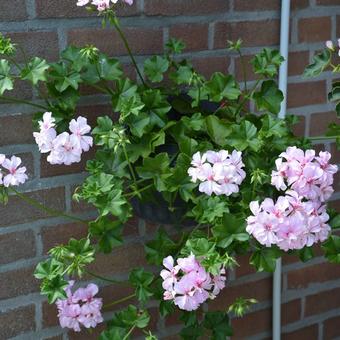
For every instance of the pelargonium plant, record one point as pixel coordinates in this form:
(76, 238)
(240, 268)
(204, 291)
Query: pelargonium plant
(209, 154)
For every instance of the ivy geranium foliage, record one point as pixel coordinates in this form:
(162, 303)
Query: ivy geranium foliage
(211, 154)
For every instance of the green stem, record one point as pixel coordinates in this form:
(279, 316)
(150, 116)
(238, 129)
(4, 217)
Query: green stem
(126, 44)
(126, 298)
(247, 97)
(130, 166)
(50, 211)
(322, 137)
(104, 278)
(136, 192)
(21, 101)
(243, 65)
(129, 333)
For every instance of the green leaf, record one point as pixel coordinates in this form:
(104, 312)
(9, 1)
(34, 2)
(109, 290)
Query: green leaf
(218, 323)
(159, 248)
(222, 86)
(217, 129)
(107, 232)
(47, 269)
(109, 68)
(319, 63)
(208, 209)
(175, 46)
(35, 70)
(332, 249)
(306, 254)
(244, 135)
(269, 97)
(267, 62)
(54, 288)
(142, 281)
(272, 126)
(154, 68)
(6, 82)
(335, 222)
(264, 259)
(183, 75)
(230, 229)
(156, 168)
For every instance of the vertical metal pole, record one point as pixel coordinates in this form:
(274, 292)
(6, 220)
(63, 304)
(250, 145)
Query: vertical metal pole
(284, 42)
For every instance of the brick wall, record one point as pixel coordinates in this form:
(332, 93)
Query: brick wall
(311, 292)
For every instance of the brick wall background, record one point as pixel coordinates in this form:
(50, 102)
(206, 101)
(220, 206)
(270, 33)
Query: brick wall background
(311, 292)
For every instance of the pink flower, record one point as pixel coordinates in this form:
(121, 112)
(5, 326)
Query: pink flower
(80, 308)
(329, 44)
(15, 175)
(82, 2)
(47, 122)
(80, 128)
(44, 139)
(219, 172)
(188, 284)
(66, 150)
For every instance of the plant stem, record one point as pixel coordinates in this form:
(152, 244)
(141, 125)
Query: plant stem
(243, 69)
(21, 101)
(129, 333)
(104, 278)
(50, 211)
(247, 97)
(126, 298)
(322, 137)
(138, 191)
(126, 44)
(130, 166)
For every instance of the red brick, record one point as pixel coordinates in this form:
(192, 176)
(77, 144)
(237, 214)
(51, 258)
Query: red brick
(187, 7)
(335, 154)
(195, 36)
(18, 282)
(17, 246)
(244, 267)
(297, 62)
(320, 121)
(18, 211)
(141, 40)
(335, 205)
(114, 293)
(299, 4)
(17, 321)
(40, 44)
(250, 75)
(307, 333)
(121, 260)
(327, 2)
(22, 89)
(299, 128)
(13, 10)
(291, 311)
(252, 33)
(331, 328)
(301, 94)
(314, 29)
(60, 234)
(49, 315)
(303, 277)
(252, 323)
(262, 5)
(68, 9)
(22, 134)
(208, 65)
(322, 302)
(260, 290)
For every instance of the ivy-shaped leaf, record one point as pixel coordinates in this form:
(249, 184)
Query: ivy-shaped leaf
(264, 259)
(319, 63)
(221, 87)
(6, 82)
(35, 71)
(269, 97)
(155, 67)
(332, 249)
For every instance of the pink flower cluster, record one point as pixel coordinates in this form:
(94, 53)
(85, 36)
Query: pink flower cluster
(14, 175)
(299, 218)
(101, 5)
(80, 308)
(64, 148)
(310, 176)
(330, 45)
(219, 172)
(188, 284)
(290, 222)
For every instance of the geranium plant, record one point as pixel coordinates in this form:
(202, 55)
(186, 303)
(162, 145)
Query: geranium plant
(210, 154)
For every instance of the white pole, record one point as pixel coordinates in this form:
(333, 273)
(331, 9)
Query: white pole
(284, 42)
